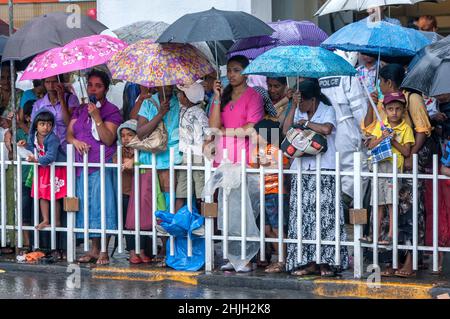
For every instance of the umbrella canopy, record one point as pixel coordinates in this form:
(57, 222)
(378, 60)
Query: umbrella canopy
(359, 5)
(46, 32)
(430, 69)
(141, 30)
(214, 25)
(153, 64)
(376, 38)
(151, 30)
(432, 36)
(287, 32)
(3, 40)
(77, 55)
(300, 61)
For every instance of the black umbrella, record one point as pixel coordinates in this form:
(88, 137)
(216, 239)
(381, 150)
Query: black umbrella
(48, 31)
(214, 25)
(430, 69)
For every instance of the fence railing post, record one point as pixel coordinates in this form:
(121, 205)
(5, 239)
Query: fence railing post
(70, 215)
(209, 225)
(358, 265)
(3, 194)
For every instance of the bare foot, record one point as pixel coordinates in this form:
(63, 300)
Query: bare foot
(43, 225)
(103, 259)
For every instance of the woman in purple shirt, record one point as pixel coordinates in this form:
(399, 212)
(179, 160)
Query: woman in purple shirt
(59, 102)
(91, 126)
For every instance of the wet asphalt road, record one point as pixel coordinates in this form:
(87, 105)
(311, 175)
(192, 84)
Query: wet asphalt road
(33, 285)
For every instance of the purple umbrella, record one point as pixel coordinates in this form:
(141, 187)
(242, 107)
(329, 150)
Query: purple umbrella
(287, 32)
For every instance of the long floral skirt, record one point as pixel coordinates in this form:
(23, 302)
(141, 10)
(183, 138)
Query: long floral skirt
(308, 227)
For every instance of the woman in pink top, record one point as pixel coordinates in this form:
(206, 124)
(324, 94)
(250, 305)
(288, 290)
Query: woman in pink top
(239, 107)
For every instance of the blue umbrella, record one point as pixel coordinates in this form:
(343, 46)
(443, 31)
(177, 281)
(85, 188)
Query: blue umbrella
(377, 38)
(300, 61)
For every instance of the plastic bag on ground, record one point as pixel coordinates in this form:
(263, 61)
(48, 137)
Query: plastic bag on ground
(179, 225)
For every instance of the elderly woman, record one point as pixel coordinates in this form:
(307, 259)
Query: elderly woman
(315, 113)
(60, 103)
(92, 126)
(281, 97)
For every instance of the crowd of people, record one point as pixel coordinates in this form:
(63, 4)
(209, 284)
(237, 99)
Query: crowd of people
(208, 118)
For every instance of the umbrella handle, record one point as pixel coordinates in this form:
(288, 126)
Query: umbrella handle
(217, 61)
(366, 90)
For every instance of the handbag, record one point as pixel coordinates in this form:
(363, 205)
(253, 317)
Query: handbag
(382, 151)
(301, 141)
(156, 142)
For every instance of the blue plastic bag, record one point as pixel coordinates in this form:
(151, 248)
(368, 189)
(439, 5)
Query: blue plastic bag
(179, 225)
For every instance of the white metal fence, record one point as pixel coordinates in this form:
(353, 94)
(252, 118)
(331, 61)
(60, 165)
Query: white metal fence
(358, 175)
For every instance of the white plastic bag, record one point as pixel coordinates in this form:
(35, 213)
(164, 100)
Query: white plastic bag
(228, 178)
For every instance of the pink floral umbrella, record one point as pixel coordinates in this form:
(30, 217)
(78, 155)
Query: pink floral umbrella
(77, 55)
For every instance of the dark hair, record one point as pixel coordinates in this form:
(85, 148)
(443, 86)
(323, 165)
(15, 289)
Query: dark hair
(43, 117)
(28, 107)
(226, 96)
(393, 72)
(37, 83)
(282, 80)
(101, 75)
(310, 88)
(430, 18)
(264, 129)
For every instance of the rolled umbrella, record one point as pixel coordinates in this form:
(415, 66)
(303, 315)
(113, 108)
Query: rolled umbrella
(332, 6)
(46, 32)
(287, 32)
(154, 64)
(430, 69)
(214, 25)
(377, 38)
(300, 61)
(77, 55)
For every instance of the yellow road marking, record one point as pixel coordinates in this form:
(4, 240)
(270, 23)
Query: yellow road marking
(147, 275)
(361, 289)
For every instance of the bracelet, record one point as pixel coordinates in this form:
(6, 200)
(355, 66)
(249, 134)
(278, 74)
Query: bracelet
(306, 124)
(99, 123)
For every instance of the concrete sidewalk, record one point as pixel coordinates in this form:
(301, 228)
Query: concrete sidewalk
(425, 286)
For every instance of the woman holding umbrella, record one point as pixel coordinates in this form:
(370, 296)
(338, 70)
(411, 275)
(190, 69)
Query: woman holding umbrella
(238, 106)
(92, 126)
(234, 112)
(315, 113)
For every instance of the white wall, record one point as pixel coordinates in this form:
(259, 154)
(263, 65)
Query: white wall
(117, 13)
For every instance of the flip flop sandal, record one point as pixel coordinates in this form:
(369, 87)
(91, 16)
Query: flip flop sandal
(87, 260)
(405, 275)
(438, 272)
(305, 272)
(388, 273)
(275, 268)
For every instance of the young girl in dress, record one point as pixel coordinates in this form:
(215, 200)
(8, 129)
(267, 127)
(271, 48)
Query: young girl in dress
(49, 150)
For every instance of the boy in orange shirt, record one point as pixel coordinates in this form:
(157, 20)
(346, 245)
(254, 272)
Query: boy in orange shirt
(268, 135)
